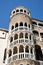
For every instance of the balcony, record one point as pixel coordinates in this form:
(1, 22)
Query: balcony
(20, 56)
(22, 28)
(22, 40)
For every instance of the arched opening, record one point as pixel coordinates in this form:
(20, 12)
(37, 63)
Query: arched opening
(36, 34)
(41, 34)
(25, 24)
(38, 52)
(40, 24)
(21, 24)
(13, 12)
(4, 56)
(15, 50)
(21, 10)
(31, 50)
(11, 39)
(21, 35)
(27, 49)
(24, 11)
(30, 37)
(10, 52)
(17, 10)
(12, 27)
(29, 25)
(26, 35)
(34, 23)
(15, 36)
(16, 25)
(21, 49)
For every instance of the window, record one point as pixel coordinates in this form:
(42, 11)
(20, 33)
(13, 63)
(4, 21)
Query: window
(31, 51)
(21, 10)
(28, 13)
(21, 48)
(24, 11)
(12, 27)
(13, 12)
(10, 53)
(26, 35)
(15, 50)
(41, 35)
(40, 24)
(17, 10)
(28, 25)
(35, 33)
(27, 49)
(21, 24)
(34, 23)
(21, 35)
(15, 36)
(25, 24)
(11, 39)
(16, 25)
(30, 37)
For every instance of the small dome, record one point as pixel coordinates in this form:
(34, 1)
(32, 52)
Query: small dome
(20, 10)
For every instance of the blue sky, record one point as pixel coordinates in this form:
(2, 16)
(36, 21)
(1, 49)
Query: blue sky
(6, 6)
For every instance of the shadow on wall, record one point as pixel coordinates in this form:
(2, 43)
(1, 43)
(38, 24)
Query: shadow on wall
(38, 53)
(4, 58)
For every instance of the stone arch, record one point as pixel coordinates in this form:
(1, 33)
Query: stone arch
(27, 49)
(14, 50)
(21, 48)
(15, 36)
(21, 35)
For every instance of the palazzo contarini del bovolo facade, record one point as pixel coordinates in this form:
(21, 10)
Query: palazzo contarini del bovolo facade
(22, 44)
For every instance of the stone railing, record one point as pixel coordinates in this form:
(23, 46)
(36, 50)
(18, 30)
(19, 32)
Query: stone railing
(22, 40)
(20, 56)
(19, 28)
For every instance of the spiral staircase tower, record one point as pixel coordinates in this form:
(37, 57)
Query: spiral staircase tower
(20, 47)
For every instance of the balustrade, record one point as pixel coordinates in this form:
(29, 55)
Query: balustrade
(22, 40)
(20, 56)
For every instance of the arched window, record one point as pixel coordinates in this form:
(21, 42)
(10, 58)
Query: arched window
(17, 10)
(31, 50)
(29, 25)
(21, 24)
(24, 11)
(15, 36)
(15, 50)
(11, 39)
(21, 10)
(21, 48)
(21, 35)
(25, 24)
(10, 52)
(34, 23)
(27, 49)
(30, 37)
(35, 33)
(26, 35)
(40, 24)
(12, 27)
(41, 35)
(13, 12)
(16, 25)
